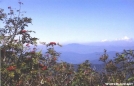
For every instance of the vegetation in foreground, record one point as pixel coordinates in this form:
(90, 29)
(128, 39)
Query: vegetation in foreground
(23, 66)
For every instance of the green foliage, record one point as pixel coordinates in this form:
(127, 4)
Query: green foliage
(21, 67)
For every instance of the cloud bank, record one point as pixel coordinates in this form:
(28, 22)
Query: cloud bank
(125, 38)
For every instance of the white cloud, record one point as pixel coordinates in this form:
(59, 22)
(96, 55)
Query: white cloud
(104, 40)
(125, 38)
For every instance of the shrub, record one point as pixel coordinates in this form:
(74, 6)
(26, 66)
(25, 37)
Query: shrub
(23, 66)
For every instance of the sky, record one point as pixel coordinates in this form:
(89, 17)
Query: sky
(77, 21)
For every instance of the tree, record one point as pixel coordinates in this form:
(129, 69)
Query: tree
(22, 65)
(120, 69)
(16, 62)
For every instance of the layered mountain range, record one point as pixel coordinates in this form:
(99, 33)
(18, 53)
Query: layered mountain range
(76, 53)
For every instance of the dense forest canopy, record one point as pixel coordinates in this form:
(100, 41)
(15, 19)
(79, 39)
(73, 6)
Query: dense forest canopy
(21, 66)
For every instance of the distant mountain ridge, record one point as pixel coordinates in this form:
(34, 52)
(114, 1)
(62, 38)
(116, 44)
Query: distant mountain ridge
(77, 58)
(77, 53)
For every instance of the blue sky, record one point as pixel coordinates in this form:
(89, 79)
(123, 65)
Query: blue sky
(79, 21)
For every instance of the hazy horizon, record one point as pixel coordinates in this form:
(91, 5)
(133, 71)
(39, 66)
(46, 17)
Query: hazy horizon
(77, 21)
